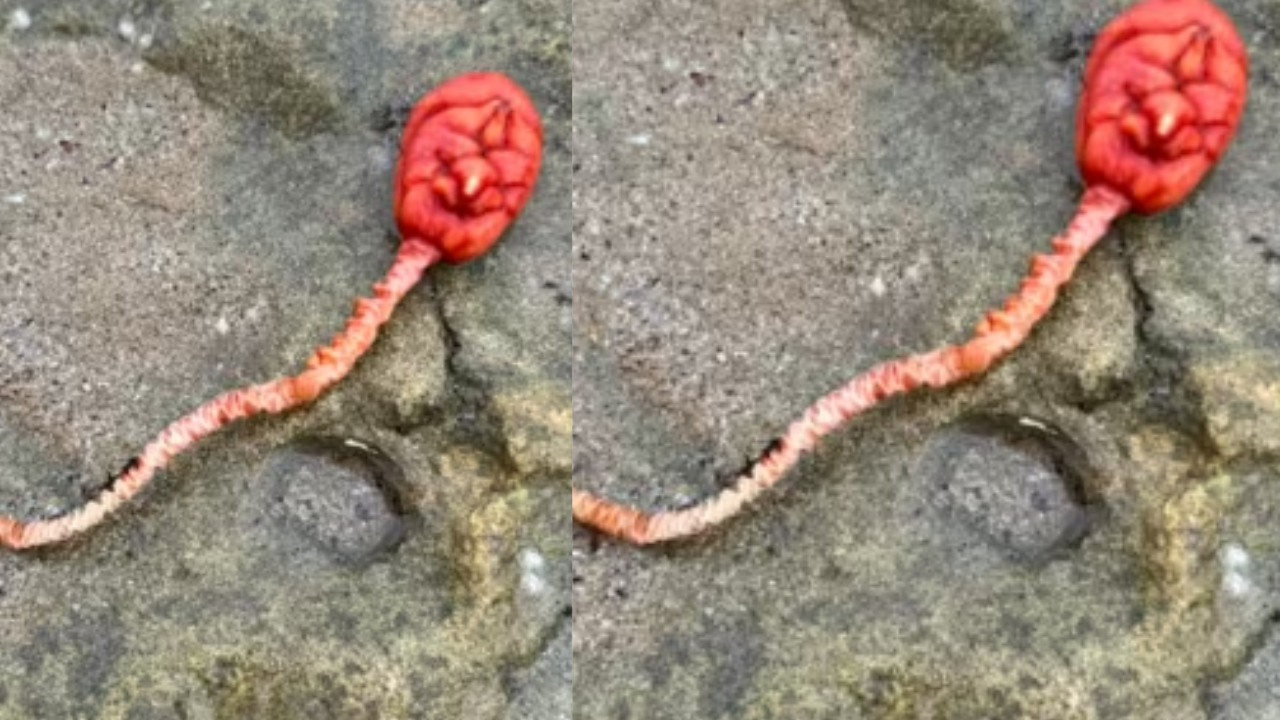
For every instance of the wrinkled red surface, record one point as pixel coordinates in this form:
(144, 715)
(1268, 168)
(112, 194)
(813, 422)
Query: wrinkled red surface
(1163, 91)
(468, 162)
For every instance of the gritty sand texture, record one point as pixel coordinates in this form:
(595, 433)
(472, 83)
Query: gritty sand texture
(191, 196)
(771, 196)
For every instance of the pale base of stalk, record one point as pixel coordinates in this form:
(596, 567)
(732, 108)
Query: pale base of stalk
(326, 366)
(999, 332)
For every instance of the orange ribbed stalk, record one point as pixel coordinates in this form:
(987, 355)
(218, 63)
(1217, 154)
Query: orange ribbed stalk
(469, 159)
(1164, 89)
(999, 333)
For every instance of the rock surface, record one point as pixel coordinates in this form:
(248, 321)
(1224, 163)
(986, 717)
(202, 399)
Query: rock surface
(191, 196)
(770, 196)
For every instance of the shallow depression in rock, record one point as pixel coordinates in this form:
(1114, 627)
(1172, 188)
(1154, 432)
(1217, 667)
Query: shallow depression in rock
(343, 496)
(1016, 482)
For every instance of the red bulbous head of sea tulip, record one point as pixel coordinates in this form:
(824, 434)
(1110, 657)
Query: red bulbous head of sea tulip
(468, 163)
(1164, 88)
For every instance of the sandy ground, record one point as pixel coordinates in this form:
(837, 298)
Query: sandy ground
(770, 196)
(191, 196)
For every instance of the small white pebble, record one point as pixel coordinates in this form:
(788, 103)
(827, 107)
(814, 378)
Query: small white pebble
(19, 19)
(531, 561)
(878, 287)
(137, 68)
(1234, 557)
(357, 444)
(531, 566)
(127, 29)
(1235, 568)
(640, 140)
(1033, 423)
(222, 326)
(1236, 585)
(145, 40)
(15, 199)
